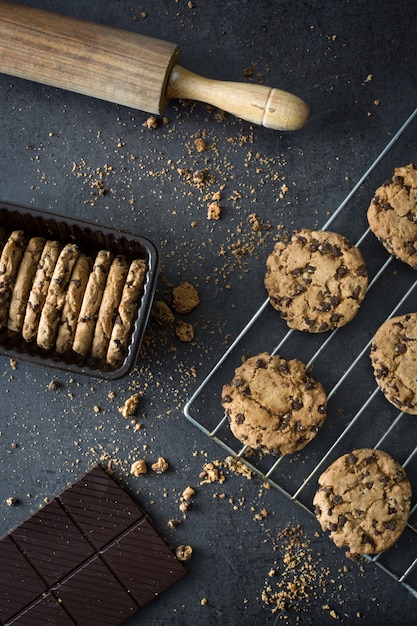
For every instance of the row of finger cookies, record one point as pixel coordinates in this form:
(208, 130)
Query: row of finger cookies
(62, 299)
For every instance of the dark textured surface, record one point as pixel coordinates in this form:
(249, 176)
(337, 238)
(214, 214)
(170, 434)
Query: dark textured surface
(354, 63)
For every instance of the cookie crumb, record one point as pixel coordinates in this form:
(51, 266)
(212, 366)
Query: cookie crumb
(151, 122)
(214, 211)
(184, 553)
(185, 298)
(130, 406)
(174, 522)
(184, 331)
(54, 385)
(162, 314)
(200, 144)
(138, 468)
(188, 493)
(12, 501)
(160, 466)
(203, 601)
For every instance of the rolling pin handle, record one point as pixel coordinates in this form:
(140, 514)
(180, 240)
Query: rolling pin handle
(259, 104)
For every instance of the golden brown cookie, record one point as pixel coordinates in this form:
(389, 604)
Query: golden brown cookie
(55, 297)
(10, 259)
(72, 305)
(109, 306)
(127, 311)
(317, 281)
(394, 360)
(274, 405)
(363, 501)
(90, 306)
(392, 214)
(23, 283)
(39, 289)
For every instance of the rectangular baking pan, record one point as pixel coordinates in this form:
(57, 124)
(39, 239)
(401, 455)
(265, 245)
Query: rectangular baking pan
(90, 238)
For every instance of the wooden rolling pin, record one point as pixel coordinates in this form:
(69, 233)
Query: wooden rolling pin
(126, 68)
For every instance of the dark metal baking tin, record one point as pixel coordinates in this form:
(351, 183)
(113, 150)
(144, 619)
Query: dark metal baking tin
(90, 239)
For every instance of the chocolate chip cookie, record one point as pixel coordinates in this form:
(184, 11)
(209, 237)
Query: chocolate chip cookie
(273, 405)
(392, 214)
(55, 297)
(39, 290)
(109, 305)
(127, 311)
(9, 264)
(90, 306)
(317, 281)
(394, 361)
(72, 304)
(23, 283)
(364, 501)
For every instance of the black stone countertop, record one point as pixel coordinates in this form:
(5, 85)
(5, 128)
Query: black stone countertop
(354, 63)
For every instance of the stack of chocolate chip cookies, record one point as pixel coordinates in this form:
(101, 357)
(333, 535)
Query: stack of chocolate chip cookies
(54, 295)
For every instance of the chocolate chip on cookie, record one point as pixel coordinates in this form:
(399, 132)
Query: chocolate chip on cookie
(317, 281)
(363, 500)
(274, 405)
(392, 214)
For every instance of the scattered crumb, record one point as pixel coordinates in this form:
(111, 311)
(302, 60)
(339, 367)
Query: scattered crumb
(138, 468)
(12, 501)
(184, 331)
(174, 522)
(185, 298)
(211, 474)
(130, 406)
(151, 122)
(214, 211)
(188, 493)
(203, 601)
(162, 314)
(54, 385)
(184, 553)
(160, 466)
(200, 144)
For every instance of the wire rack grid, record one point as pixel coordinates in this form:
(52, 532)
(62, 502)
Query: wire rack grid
(358, 414)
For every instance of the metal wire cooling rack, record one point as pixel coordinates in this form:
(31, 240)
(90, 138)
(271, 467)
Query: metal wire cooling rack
(358, 414)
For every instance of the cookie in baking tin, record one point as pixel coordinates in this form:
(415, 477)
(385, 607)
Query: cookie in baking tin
(273, 405)
(109, 306)
(127, 311)
(363, 500)
(23, 283)
(39, 289)
(394, 361)
(72, 304)
(55, 298)
(90, 305)
(392, 214)
(10, 258)
(317, 281)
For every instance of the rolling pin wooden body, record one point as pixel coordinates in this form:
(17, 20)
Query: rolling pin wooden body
(126, 68)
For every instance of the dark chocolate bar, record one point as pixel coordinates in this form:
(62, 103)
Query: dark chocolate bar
(90, 556)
